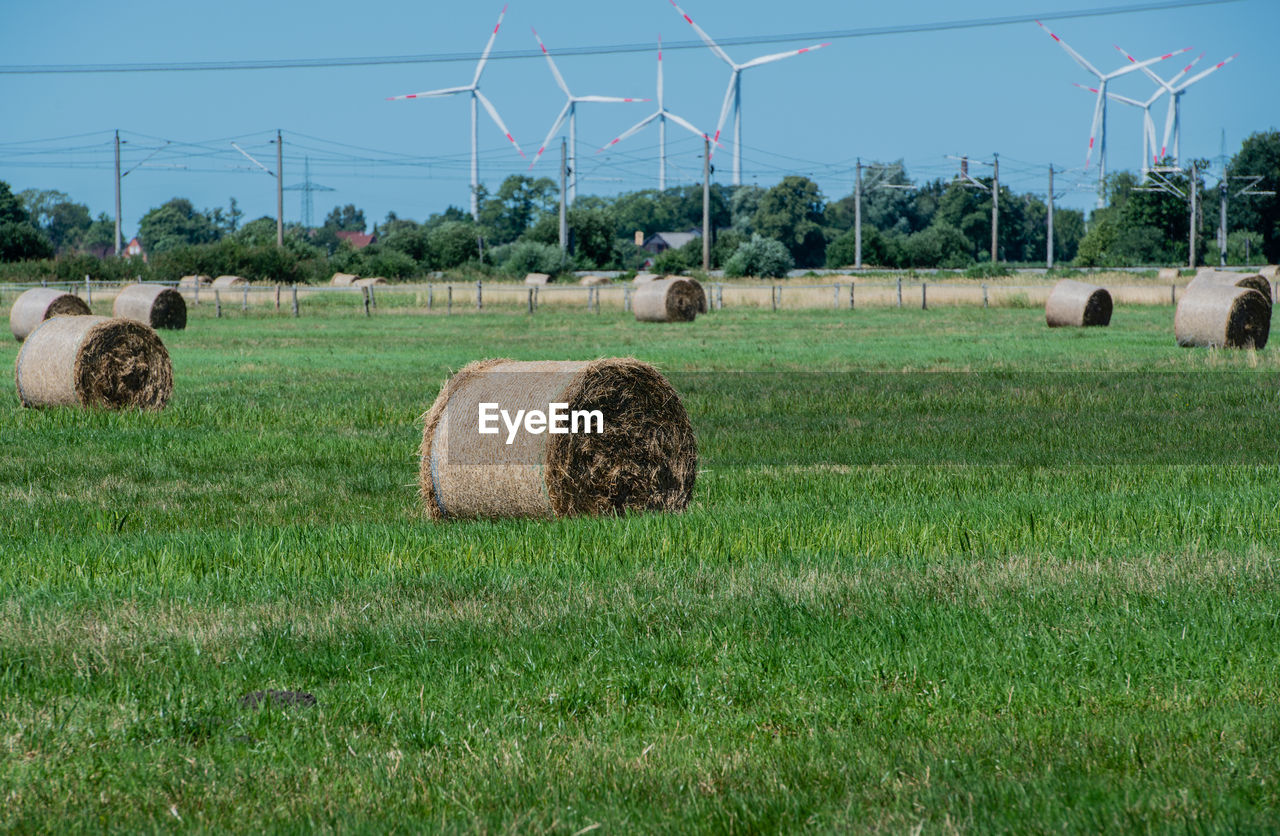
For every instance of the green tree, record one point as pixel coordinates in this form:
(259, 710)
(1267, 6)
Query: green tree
(792, 212)
(1258, 155)
(760, 257)
(346, 218)
(453, 243)
(21, 241)
(592, 234)
(842, 252)
(519, 203)
(174, 224)
(11, 207)
(67, 224)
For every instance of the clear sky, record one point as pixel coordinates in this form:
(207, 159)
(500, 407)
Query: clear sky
(918, 97)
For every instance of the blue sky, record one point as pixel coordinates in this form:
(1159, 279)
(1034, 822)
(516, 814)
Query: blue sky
(919, 97)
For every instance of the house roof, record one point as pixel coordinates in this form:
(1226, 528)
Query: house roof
(358, 240)
(674, 240)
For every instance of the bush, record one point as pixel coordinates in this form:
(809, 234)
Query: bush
(671, 261)
(452, 244)
(988, 270)
(389, 263)
(532, 257)
(843, 251)
(761, 257)
(941, 245)
(20, 241)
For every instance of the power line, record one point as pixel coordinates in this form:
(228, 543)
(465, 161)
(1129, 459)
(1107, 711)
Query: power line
(451, 57)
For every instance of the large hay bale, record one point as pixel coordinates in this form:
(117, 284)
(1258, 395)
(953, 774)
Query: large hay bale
(644, 278)
(343, 279)
(94, 361)
(372, 281)
(154, 304)
(1168, 274)
(673, 299)
(1254, 281)
(1222, 316)
(41, 303)
(595, 281)
(1077, 304)
(645, 459)
(537, 279)
(225, 282)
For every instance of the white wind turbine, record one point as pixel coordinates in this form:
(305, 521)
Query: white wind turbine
(733, 95)
(662, 115)
(474, 89)
(570, 112)
(1173, 120)
(1098, 132)
(1148, 124)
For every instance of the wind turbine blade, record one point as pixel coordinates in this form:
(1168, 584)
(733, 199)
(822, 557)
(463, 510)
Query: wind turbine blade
(484, 57)
(1173, 81)
(555, 71)
(778, 56)
(1093, 132)
(726, 107)
(1141, 65)
(564, 113)
(1077, 56)
(1116, 97)
(1201, 75)
(659, 72)
(1093, 90)
(447, 91)
(497, 120)
(1168, 125)
(705, 37)
(688, 127)
(632, 130)
(607, 99)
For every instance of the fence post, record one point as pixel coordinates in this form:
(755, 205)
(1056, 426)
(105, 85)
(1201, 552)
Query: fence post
(449, 306)
(773, 296)
(88, 291)
(217, 302)
(924, 296)
(720, 296)
(277, 298)
(365, 294)
(373, 299)
(899, 291)
(984, 295)
(430, 289)
(244, 305)
(1173, 295)
(835, 296)
(530, 300)
(535, 298)
(44, 282)
(479, 300)
(851, 295)
(295, 300)
(197, 297)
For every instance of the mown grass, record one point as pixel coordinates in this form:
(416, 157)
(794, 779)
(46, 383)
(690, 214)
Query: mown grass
(930, 608)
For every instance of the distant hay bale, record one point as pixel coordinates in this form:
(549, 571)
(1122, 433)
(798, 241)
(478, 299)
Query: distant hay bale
(644, 278)
(537, 279)
(343, 279)
(1222, 316)
(41, 303)
(1271, 272)
(1168, 274)
(192, 282)
(372, 281)
(94, 361)
(1077, 304)
(154, 304)
(595, 281)
(224, 282)
(1254, 281)
(646, 458)
(673, 299)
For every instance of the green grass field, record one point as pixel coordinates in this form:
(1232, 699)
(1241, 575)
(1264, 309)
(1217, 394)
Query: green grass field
(919, 585)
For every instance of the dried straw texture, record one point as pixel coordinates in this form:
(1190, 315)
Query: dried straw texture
(94, 361)
(595, 281)
(536, 279)
(192, 282)
(39, 304)
(1222, 316)
(1271, 272)
(1167, 274)
(644, 278)
(1254, 281)
(343, 279)
(645, 460)
(154, 304)
(224, 282)
(372, 281)
(1077, 304)
(673, 299)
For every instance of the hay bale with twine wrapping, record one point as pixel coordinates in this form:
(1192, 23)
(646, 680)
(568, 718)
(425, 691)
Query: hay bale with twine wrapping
(536, 279)
(1167, 274)
(673, 299)
(645, 459)
(1077, 304)
(224, 282)
(343, 279)
(153, 304)
(1254, 281)
(372, 281)
(1223, 316)
(41, 303)
(94, 361)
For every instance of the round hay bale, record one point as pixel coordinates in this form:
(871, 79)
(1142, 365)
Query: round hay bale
(154, 304)
(1077, 304)
(1223, 316)
(343, 279)
(192, 282)
(644, 278)
(41, 303)
(645, 459)
(537, 279)
(595, 281)
(673, 299)
(1167, 274)
(224, 282)
(1254, 281)
(1271, 273)
(94, 361)
(372, 281)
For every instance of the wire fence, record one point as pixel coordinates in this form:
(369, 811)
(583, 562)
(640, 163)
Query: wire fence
(456, 297)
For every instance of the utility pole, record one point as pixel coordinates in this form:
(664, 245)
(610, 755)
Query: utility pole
(1049, 233)
(706, 204)
(1194, 207)
(1222, 222)
(279, 190)
(119, 240)
(564, 225)
(995, 208)
(857, 215)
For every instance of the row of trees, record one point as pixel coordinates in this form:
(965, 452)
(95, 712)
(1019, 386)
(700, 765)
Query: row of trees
(934, 224)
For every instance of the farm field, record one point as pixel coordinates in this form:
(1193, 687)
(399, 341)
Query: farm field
(944, 568)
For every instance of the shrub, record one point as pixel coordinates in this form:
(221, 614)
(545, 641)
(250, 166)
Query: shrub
(671, 261)
(761, 257)
(20, 241)
(532, 257)
(988, 270)
(393, 264)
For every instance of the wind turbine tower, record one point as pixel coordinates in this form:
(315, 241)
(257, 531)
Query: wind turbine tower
(476, 96)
